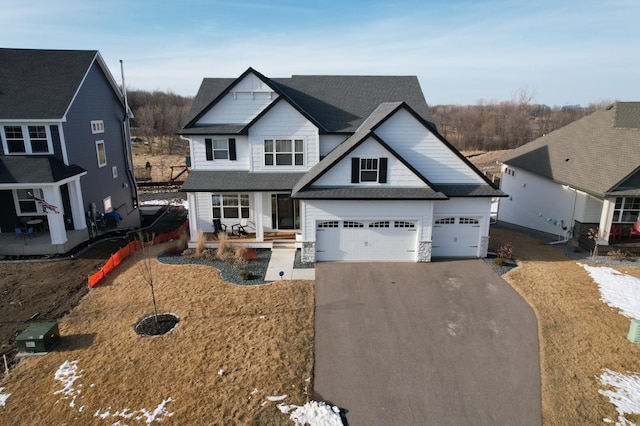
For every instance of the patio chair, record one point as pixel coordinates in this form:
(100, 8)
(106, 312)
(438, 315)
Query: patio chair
(24, 233)
(219, 227)
(635, 229)
(238, 228)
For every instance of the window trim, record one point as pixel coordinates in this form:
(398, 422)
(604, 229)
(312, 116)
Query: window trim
(294, 154)
(243, 210)
(618, 213)
(210, 149)
(97, 126)
(26, 139)
(104, 152)
(357, 169)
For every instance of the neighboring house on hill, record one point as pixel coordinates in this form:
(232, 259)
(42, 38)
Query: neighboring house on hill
(586, 174)
(64, 134)
(353, 164)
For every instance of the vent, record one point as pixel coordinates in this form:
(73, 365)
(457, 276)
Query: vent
(634, 331)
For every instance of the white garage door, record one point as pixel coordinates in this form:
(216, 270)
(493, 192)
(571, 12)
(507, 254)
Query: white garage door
(366, 240)
(455, 236)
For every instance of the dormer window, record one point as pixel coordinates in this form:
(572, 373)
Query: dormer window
(23, 139)
(220, 149)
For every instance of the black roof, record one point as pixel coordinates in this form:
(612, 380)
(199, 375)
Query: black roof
(35, 169)
(238, 181)
(370, 193)
(40, 84)
(338, 104)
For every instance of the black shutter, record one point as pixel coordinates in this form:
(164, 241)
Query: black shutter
(355, 170)
(382, 170)
(232, 149)
(208, 145)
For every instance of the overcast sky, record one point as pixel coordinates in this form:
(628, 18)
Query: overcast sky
(563, 52)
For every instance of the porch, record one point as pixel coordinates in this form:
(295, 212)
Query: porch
(39, 243)
(624, 245)
(275, 239)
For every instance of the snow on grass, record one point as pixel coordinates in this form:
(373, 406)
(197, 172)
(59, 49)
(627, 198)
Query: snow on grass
(3, 397)
(277, 398)
(313, 413)
(617, 290)
(625, 396)
(171, 202)
(68, 374)
(623, 292)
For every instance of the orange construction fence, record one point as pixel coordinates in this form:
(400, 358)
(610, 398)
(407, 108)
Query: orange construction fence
(131, 248)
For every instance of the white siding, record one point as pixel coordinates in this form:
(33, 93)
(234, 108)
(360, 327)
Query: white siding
(204, 212)
(329, 142)
(283, 122)
(479, 207)
(538, 203)
(397, 173)
(413, 210)
(591, 211)
(199, 158)
(242, 104)
(426, 153)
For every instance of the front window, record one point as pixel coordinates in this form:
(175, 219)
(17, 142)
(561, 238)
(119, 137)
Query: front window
(283, 152)
(230, 206)
(25, 202)
(368, 170)
(101, 153)
(627, 210)
(27, 139)
(220, 149)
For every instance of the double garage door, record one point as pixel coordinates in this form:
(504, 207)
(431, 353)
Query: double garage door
(455, 236)
(366, 240)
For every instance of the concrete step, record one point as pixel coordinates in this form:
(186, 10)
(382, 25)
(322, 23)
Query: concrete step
(283, 245)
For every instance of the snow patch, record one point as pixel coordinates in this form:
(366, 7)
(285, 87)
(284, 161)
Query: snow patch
(626, 393)
(617, 290)
(313, 413)
(277, 398)
(172, 202)
(68, 373)
(3, 397)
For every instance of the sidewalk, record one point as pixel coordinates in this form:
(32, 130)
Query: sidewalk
(282, 261)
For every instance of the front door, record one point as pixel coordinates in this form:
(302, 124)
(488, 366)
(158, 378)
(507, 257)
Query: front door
(285, 212)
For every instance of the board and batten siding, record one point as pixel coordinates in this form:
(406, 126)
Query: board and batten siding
(412, 210)
(397, 173)
(199, 156)
(426, 153)
(283, 122)
(243, 103)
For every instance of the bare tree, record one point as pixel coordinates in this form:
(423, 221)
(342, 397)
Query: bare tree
(146, 268)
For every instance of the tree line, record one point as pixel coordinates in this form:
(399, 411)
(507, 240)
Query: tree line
(158, 116)
(486, 126)
(490, 126)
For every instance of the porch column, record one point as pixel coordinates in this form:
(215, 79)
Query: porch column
(192, 215)
(606, 220)
(57, 232)
(257, 215)
(77, 205)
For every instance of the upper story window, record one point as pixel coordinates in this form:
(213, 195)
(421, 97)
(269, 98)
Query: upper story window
(220, 149)
(627, 210)
(101, 153)
(24, 139)
(97, 126)
(284, 152)
(368, 170)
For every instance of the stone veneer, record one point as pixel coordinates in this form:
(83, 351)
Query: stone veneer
(424, 251)
(484, 246)
(308, 254)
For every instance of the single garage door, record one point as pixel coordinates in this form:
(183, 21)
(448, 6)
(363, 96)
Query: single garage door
(366, 240)
(455, 236)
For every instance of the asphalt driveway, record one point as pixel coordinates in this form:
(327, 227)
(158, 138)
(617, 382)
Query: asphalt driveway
(442, 343)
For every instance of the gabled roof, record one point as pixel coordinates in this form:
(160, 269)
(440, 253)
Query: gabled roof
(336, 104)
(36, 169)
(595, 154)
(41, 84)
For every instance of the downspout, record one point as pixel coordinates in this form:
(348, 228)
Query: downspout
(573, 213)
(126, 132)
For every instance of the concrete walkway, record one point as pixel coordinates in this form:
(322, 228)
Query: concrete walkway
(441, 343)
(282, 261)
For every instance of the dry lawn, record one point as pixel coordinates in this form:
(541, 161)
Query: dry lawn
(579, 334)
(261, 336)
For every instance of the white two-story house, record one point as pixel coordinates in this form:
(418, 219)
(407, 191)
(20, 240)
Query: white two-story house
(353, 164)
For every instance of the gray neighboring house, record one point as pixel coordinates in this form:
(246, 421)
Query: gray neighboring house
(583, 175)
(65, 143)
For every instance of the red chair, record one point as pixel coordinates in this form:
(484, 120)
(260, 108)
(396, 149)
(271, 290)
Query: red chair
(635, 229)
(615, 233)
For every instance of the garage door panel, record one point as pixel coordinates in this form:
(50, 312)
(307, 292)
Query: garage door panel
(456, 236)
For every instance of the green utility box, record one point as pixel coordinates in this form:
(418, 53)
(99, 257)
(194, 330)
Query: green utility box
(634, 331)
(38, 337)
